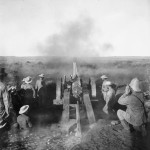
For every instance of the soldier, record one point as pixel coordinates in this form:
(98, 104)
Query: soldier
(23, 120)
(40, 90)
(7, 114)
(4, 104)
(15, 98)
(29, 91)
(104, 88)
(109, 98)
(135, 114)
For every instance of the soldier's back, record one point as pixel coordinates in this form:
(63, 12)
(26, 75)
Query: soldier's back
(22, 121)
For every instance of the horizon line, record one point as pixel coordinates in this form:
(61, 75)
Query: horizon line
(77, 56)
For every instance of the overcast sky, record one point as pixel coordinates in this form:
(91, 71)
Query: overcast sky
(75, 27)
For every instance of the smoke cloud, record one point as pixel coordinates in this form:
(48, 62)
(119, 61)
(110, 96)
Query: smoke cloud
(74, 39)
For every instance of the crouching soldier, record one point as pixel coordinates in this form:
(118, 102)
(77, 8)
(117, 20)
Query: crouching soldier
(135, 114)
(23, 120)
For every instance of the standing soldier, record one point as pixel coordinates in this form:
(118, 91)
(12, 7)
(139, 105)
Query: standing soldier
(4, 112)
(15, 98)
(109, 98)
(104, 88)
(29, 91)
(7, 114)
(40, 90)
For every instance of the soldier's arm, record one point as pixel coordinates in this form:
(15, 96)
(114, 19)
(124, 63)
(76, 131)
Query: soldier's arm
(29, 123)
(33, 92)
(124, 100)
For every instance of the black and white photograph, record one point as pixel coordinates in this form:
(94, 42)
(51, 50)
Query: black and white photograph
(74, 74)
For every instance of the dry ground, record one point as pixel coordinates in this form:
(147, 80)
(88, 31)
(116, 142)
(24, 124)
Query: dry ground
(47, 133)
(107, 137)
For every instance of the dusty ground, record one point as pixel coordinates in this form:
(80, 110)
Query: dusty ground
(107, 137)
(46, 132)
(41, 139)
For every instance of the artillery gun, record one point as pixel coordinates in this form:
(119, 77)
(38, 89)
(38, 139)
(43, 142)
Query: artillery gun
(75, 93)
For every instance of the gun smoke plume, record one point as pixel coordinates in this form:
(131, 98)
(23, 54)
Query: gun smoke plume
(75, 39)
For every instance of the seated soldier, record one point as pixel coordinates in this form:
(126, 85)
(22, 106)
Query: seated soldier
(135, 114)
(23, 120)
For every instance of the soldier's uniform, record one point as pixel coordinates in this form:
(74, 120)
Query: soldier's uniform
(104, 89)
(40, 90)
(4, 104)
(135, 113)
(24, 122)
(109, 98)
(7, 114)
(29, 91)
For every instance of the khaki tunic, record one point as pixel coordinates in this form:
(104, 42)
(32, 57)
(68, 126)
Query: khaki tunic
(110, 100)
(24, 121)
(104, 89)
(135, 108)
(39, 84)
(29, 87)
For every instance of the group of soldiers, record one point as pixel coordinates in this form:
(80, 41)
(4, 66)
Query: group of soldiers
(14, 105)
(135, 115)
(34, 92)
(133, 98)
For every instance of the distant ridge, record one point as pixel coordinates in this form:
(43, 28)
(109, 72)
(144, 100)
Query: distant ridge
(59, 59)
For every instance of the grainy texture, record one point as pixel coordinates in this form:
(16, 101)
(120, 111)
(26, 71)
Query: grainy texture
(106, 137)
(89, 108)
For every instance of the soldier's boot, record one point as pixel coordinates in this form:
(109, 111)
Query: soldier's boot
(125, 124)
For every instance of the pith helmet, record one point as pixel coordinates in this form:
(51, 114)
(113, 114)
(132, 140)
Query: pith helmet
(28, 80)
(41, 75)
(104, 77)
(135, 85)
(23, 109)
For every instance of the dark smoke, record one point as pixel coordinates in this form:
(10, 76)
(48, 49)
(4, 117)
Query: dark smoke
(73, 40)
